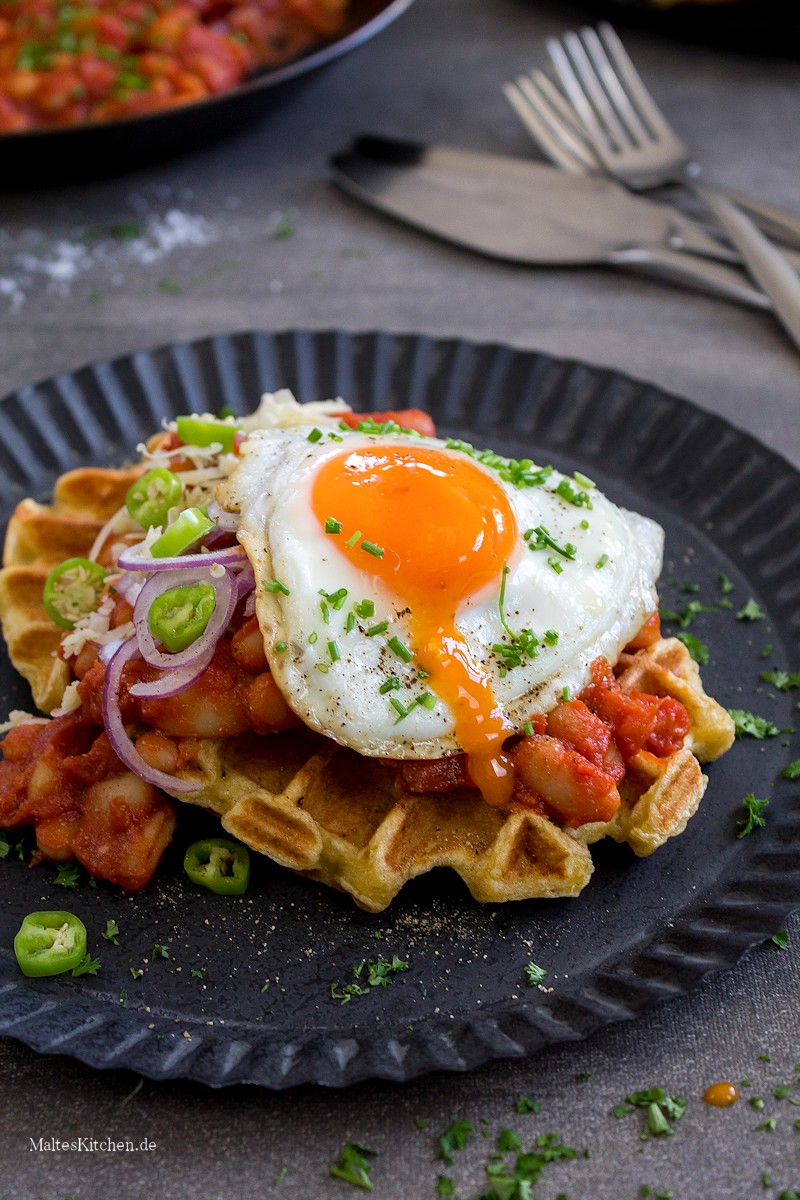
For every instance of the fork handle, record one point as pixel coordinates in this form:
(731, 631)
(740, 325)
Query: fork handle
(778, 223)
(686, 270)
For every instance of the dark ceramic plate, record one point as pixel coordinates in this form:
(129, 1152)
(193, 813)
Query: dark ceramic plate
(54, 156)
(642, 931)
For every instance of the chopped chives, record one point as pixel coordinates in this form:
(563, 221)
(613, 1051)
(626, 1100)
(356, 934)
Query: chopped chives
(335, 599)
(527, 729)
(333, 526)
(351, 541)
(565, 695)
(364, 608)
(371, 548)
(326, 612)
(401, 650)
(556, 565)
(334, 651)
(601, 562)
(275, 585)
(550, 637)
(399, 707)
(312, 637)
(381, 628)
(583, 480)
(280, 647)
(427, 700)
(584, 524)
(323, 667)
(315, 435)
(390, 685)
(350, 623)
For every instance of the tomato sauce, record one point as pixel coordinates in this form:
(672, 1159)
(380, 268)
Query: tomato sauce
(64, 62)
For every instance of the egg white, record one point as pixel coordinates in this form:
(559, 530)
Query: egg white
(595, 610)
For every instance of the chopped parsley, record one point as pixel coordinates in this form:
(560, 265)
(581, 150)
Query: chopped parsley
(782, 680)
(87, 966)
(353, 1165)
(455, 1137)
(159, 951)
(68, 875)
(661, 1109)
(534, 975)
(781, 940)
(697, 649)
(688, 613)
(749, 725)
(136, 972)
(791, 770)
(725, 584)
(377, 973)
(515, 1182)
(526, 1105)
(445, 1186)
(111, 933)
(753, 819)
(750, 611)
(198, 972)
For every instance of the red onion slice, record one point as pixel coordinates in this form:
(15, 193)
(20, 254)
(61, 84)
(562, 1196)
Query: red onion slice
(226, 599)
(245, 582)
(123, 747)
(171, 683)
(232, 556)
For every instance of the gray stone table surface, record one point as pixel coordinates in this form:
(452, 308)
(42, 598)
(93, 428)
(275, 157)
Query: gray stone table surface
(247, 233)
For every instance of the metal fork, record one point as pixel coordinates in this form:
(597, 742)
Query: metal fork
(615, 114)
(628, 131)
(555, 126)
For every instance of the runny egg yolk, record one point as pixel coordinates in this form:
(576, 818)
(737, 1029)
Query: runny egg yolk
(438, 531)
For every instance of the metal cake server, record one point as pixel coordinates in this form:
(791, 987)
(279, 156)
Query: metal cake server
(534, 214)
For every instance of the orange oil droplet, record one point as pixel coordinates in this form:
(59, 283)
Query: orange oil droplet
(721, 1095)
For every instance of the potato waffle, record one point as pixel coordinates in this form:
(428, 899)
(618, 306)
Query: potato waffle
(40, 536)
(331, 814)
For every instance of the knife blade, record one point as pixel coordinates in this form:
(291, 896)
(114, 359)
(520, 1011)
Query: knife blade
(530, 213)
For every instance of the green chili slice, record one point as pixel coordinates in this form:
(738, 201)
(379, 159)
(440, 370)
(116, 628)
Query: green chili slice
(184, 532)
(220, 865)
(49, 943)
(178, 617)
(197, 431)
(149, 500)
(72, 590)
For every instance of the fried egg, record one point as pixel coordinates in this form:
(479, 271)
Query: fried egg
(417, 599)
